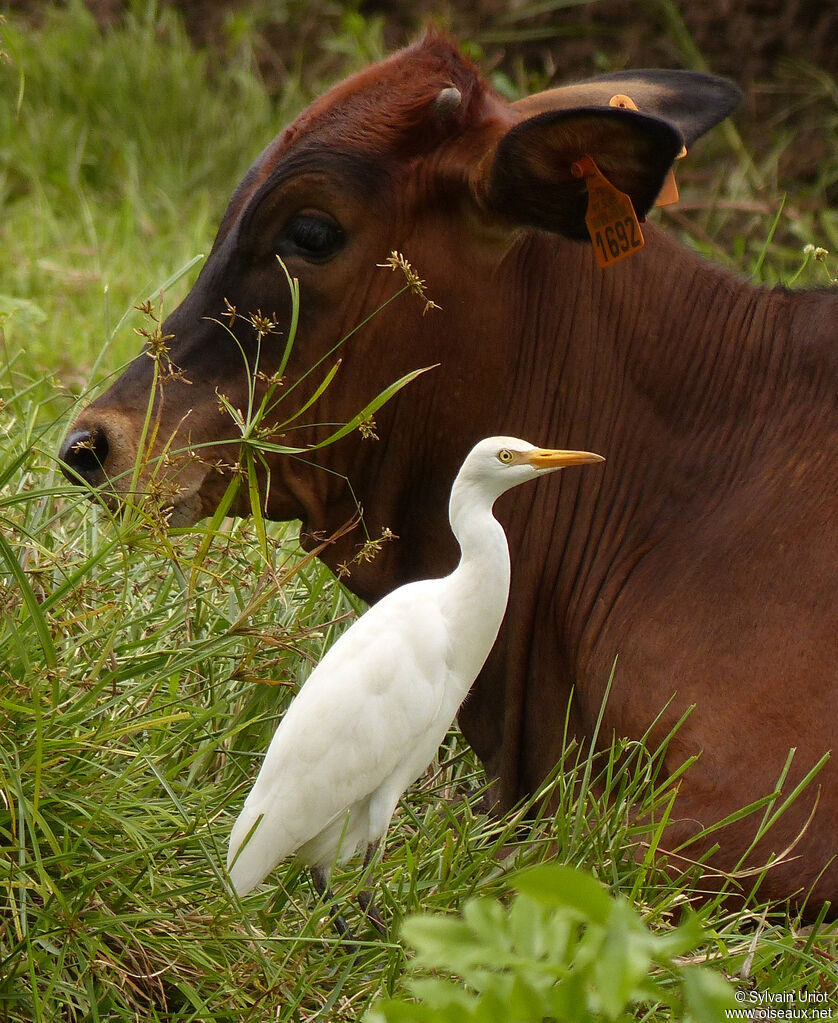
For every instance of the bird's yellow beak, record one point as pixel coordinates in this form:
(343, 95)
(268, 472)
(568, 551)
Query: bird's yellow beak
(549, 458)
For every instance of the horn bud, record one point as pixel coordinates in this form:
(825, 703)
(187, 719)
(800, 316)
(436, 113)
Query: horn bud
(446, 102)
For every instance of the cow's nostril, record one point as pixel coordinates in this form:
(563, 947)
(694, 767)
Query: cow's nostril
(83, 455)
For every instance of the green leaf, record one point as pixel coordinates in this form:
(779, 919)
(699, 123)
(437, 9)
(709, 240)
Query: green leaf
(294, 288)
(569, 1000)
(441, 942)
(36, 614)
(683, 939)
(487, 920)
(372, 407)
(392, 1011)
(440, 993)
(528, 1001)
(256, 504)
(623, 959)
(365, 413)
(8, 471)
(317, 393)
(175, 277)
(709, 997)
(537, 931)
(212, 529)
(493, 1006)
(554, 884)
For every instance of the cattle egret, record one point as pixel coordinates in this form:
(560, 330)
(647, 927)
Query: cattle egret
(373, 713)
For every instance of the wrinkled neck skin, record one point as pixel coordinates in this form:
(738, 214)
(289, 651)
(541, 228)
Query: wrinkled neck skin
(696, 387)
(662, 364)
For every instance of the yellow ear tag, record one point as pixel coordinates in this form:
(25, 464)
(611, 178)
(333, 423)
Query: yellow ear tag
(611, 220)
(668, 194)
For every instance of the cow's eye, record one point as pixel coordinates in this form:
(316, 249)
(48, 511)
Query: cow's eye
(311, 235)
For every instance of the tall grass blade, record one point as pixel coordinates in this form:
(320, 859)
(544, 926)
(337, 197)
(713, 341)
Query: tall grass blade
(36, 614)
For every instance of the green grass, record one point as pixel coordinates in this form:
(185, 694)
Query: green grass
(133, 698)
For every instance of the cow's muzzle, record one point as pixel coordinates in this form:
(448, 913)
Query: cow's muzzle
(101, 452)
(83, 456)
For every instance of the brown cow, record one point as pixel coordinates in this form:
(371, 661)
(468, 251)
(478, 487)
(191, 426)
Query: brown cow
(705, 556)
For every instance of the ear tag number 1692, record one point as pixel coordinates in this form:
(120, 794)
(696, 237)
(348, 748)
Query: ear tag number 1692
(611, 220)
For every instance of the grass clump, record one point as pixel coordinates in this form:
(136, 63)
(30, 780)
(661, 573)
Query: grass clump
(130, 721)
(119, 140)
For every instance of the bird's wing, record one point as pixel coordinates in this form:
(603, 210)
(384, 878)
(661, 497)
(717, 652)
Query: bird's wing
(367, 714)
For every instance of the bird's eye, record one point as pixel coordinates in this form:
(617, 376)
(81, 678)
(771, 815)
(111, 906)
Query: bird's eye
(505, 456)
(314, 236)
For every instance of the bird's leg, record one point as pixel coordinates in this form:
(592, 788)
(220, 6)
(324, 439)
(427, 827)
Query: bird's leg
(366, 898)
(372, 914)
(320, 880)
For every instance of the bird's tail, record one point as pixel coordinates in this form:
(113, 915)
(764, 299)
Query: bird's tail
(251, 855)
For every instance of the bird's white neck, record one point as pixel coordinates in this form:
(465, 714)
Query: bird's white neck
(480, 536)
(479, 585)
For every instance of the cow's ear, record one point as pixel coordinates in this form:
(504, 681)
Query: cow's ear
(529, 178)
(691, 100)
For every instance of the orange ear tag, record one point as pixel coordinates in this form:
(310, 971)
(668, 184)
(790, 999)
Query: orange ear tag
(611, 220)
(668, 194)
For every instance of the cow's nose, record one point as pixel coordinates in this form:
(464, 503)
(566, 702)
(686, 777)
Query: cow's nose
(83, 455)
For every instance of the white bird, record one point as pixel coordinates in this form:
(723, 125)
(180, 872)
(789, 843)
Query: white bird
(372, 714)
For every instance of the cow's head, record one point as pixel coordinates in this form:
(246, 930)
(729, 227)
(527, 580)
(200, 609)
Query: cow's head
(416, 155)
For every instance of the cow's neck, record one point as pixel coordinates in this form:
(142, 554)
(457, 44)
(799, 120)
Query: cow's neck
(702, 350)
(677, 346)
(691, 383)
